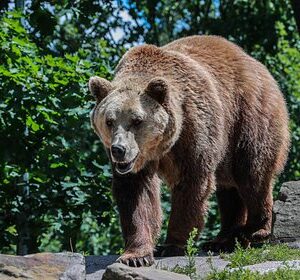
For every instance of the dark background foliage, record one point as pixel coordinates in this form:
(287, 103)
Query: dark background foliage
(54, 175)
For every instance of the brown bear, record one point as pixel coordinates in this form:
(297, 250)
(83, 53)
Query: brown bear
(199, 114)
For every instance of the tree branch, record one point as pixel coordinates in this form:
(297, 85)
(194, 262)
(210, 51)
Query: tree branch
(296, 10)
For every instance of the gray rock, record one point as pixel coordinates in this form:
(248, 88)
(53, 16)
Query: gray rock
(203, 264)
(75, 270)
(295, 244)
(96, 265)
(63, 266)
(272, 266)
(286, 210)
(119, 271)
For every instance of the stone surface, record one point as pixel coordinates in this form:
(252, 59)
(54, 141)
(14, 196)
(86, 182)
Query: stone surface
(272, 266)
(68, 266)
(287, 213)
(96, 265)
(47, 266)
(295, 244)
(119, 271)
(203, 264)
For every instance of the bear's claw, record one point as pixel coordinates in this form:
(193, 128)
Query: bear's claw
(133, 261)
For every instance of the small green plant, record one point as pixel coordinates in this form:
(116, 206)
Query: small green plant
(285, 273)
(191, 250)
(120, 251)
(241, 257)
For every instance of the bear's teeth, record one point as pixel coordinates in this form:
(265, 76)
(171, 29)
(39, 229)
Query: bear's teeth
(123, 168)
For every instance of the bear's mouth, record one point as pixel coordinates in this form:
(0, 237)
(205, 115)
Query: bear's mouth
(124, 167)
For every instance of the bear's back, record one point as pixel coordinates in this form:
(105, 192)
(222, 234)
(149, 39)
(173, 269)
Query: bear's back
(204, 45)
(235, 72)
(208, 50)
(224, 60)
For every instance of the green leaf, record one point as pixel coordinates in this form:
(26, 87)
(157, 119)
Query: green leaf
(57, 165)
(32, 124)
(12, 230)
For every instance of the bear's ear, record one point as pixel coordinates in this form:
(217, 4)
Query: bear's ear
(99, 87)
(158, 89)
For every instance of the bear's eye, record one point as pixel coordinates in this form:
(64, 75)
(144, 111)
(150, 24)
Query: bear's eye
(137, 121)
(109, 123)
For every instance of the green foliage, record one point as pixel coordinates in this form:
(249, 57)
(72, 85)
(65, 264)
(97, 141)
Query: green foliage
(54, 173)
(285, 66)
(191, 252)
(286, 273)
(242, 257)
(61, 27)
(245, 22)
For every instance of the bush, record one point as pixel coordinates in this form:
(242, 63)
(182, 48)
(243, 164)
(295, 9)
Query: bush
(54, 179)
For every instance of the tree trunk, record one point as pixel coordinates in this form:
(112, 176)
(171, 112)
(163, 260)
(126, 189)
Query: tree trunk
(70, 236)
(27, 229)
(27, 238)
(19, 4)
(296, 9)
(151, 5)
(4, 4)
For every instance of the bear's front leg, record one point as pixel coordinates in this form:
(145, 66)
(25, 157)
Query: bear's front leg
(138, 201)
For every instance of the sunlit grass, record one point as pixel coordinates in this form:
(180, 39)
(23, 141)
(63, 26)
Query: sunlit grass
(242, 257)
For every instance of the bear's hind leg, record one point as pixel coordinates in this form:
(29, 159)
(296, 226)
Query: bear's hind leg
(259, 201)
(233, 214)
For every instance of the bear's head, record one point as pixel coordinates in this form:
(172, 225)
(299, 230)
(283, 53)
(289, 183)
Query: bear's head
(132, 120)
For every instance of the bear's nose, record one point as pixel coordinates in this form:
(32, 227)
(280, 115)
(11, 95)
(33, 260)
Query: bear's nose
(118, 151)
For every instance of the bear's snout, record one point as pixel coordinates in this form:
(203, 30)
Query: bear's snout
(118, 152)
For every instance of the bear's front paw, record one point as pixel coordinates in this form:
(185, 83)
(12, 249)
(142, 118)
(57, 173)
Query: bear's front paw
(135, 260)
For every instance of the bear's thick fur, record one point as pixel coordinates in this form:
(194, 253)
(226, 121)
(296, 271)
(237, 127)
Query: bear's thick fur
(199, 114)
